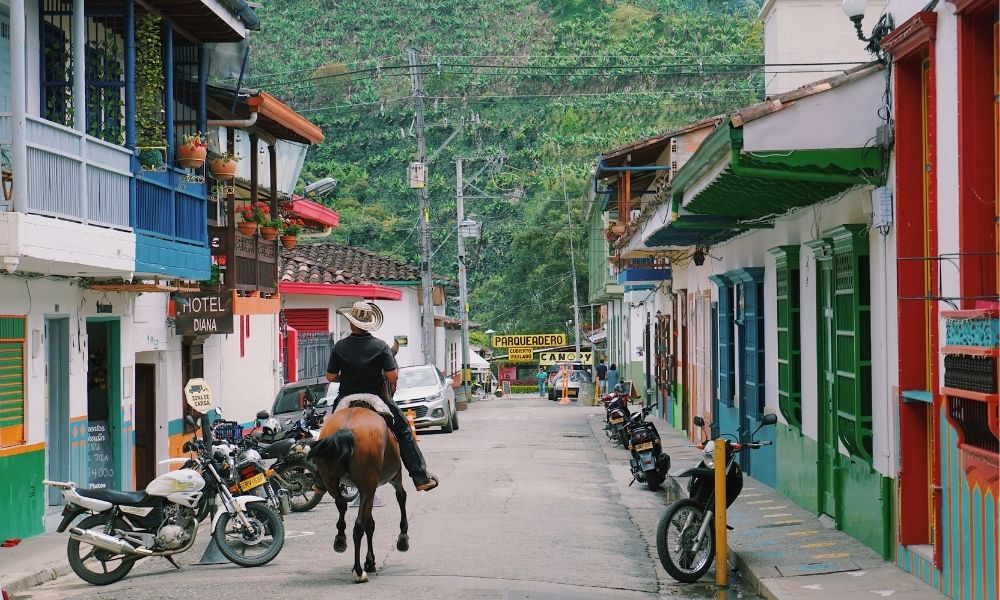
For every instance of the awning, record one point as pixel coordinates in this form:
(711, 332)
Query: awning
(209, 20)
(312, 212)
(477, 362)
(366, 292)
(789, 152)
(685, 230)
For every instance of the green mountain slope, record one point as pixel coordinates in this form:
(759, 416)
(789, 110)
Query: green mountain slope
(547, 82)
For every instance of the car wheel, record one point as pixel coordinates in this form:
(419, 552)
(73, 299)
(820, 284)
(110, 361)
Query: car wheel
(454, 420)
(447, 427)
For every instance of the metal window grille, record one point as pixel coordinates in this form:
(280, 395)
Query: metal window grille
(789, 334)
(12, 338)
(972, 417)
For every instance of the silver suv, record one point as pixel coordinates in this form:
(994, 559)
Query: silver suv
(425, 391)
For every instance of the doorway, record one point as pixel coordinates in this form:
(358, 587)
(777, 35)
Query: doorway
(57, 389)
(145, 425)
(104, 406)
(828, 448)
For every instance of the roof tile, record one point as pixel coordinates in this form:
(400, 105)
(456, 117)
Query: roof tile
(340, 263)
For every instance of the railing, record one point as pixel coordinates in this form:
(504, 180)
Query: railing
(171, 207)
(59, 160)
(251, 266)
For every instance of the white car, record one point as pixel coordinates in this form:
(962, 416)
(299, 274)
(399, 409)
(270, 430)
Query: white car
(425, 391)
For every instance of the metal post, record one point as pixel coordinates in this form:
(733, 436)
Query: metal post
(572, 260)
(80, 96)
(463, 291)
(18, 88)
(721, 547)
(426, 277)
(647, 348)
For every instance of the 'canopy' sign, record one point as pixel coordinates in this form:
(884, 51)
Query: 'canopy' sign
(203, 313)
(551, 358)
(538, 340)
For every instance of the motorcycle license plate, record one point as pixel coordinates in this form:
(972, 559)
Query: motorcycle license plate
(617, 421)
(646, 446)
(249, 484)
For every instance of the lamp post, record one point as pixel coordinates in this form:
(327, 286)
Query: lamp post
(467, 229)
(855, 11)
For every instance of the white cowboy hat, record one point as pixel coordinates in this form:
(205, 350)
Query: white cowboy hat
(363, 315)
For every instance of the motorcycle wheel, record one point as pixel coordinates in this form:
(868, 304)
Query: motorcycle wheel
(299, 479)
(654, 480)
(622, 438)
(673, 542)
(348, 492)
(266, 534)
(82, 556)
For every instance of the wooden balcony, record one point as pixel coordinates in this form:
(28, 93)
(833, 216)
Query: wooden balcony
(251, 263)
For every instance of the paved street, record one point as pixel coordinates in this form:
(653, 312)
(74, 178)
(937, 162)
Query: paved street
(530, 506)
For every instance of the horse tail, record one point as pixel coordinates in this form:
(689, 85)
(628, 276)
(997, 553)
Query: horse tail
(337, 448)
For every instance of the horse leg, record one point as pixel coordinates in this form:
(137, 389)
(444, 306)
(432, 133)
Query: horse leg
(340, 542)
(364, 513)
(370, 533)
(403, 542)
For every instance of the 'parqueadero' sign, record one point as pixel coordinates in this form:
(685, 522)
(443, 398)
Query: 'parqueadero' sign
(203, 313)
(537, 340)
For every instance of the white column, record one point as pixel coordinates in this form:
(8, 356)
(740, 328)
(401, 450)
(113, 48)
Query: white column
(18, 88)
(80, 94)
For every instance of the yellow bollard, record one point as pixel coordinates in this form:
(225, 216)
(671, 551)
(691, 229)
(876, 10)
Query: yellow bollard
(721, 547)
(411, 419)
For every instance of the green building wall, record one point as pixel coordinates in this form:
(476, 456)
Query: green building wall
(22, 494)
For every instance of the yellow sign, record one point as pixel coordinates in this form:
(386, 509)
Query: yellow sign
(551, 358)
(199, 395)
(538, 340)
(520, 354)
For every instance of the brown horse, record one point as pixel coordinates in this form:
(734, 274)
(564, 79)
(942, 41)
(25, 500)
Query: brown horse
(356, 442)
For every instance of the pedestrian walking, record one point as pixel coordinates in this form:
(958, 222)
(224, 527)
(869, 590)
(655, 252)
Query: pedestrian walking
(542, 377)
(612, 379)
(602, 376)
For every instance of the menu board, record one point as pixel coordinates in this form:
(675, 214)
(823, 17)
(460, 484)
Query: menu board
(101, 463)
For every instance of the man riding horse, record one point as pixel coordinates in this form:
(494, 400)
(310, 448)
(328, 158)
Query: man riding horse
(364, 364)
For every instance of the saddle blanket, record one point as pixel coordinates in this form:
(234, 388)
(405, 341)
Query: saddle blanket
(369, 401)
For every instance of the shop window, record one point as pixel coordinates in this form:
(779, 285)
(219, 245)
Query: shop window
(12, 338)
(789, 338)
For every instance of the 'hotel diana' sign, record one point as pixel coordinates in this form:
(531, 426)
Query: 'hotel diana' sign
(203, 313)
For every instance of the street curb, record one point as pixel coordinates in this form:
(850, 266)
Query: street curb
(29, 581)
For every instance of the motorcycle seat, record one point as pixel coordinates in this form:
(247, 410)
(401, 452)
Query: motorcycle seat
(277, 449)
(113, 496)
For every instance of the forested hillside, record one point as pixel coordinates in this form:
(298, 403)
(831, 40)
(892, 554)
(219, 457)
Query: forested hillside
(547, 85)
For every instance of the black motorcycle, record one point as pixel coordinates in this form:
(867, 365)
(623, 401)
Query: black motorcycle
(617, 415)
(649, 464)
(685, 538)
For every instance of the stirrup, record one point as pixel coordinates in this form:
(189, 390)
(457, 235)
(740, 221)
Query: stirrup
(427, 485)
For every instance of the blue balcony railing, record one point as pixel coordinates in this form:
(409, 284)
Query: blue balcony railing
(170, 220)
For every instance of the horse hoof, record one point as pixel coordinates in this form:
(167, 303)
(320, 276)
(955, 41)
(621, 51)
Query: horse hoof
(363, 578)
(340, 544)
(371, 568)
(403, 543)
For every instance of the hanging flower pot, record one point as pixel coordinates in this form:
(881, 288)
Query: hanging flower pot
(247, 228)
(617, 228)
(224, 169)
(269, 233)
(192, 153)
(289, 241)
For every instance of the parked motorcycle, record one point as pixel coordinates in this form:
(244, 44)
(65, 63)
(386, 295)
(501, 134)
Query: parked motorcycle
(249, 476)
(685, 538)
(649, 464)
(289, 449)
(123, 527)
(617, 415)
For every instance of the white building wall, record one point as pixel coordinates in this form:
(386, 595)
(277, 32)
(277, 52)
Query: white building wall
(751, 250)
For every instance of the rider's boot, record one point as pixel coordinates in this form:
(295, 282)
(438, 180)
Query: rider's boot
(413, 459)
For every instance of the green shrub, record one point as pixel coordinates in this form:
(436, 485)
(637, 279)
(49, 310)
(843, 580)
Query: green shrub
(523, 389)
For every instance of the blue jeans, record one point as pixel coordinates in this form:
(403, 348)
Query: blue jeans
(541, 388)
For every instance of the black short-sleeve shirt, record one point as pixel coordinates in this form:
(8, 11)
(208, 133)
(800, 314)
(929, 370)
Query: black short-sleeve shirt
(360, 359)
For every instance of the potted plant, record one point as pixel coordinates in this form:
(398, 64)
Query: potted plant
(223, 167)
(253, 215)
(290, 230)
(269, 228)
(617, 228)
(193, 152)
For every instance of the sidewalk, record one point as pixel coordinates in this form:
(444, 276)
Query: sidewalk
(34, 561)
(786, 553)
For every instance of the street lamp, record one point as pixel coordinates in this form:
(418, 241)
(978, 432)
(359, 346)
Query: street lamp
(855, 11)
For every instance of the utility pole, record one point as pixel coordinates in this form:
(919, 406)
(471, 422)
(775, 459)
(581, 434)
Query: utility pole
(572, 258)
(463, 291)
(426, 276)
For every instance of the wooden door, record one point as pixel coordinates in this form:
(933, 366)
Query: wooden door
(145, 425)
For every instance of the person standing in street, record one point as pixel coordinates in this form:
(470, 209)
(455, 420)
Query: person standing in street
(364, 364)
(542, 377)
(612, 379)
(602, 376)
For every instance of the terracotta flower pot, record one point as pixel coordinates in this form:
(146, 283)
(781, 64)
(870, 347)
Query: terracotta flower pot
(223, 170)
(247, 227)
(269, 233)
(191, 156)
(617, 229)
(289, 241)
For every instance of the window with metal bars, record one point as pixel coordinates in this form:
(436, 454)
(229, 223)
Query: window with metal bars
(786, 260)
(972, 417)
(851, 343)
(749, 312)
(726, 347)
(12, 338)
(104, 72)
(185, 89)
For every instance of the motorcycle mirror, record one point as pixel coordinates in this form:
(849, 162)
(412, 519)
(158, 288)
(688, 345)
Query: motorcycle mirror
(769, 419)
(263, 415)
(206, 430)
(190, 421)
(699, 422)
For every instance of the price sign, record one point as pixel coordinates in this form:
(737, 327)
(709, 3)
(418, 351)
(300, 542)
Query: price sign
(520, 354)
(199, 395)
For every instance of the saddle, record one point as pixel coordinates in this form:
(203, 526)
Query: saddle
(369, 401)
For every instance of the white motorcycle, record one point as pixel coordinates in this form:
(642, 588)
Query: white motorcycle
(123, 527)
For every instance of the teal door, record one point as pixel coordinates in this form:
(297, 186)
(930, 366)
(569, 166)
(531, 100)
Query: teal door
(828, 449)
(57, 382)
